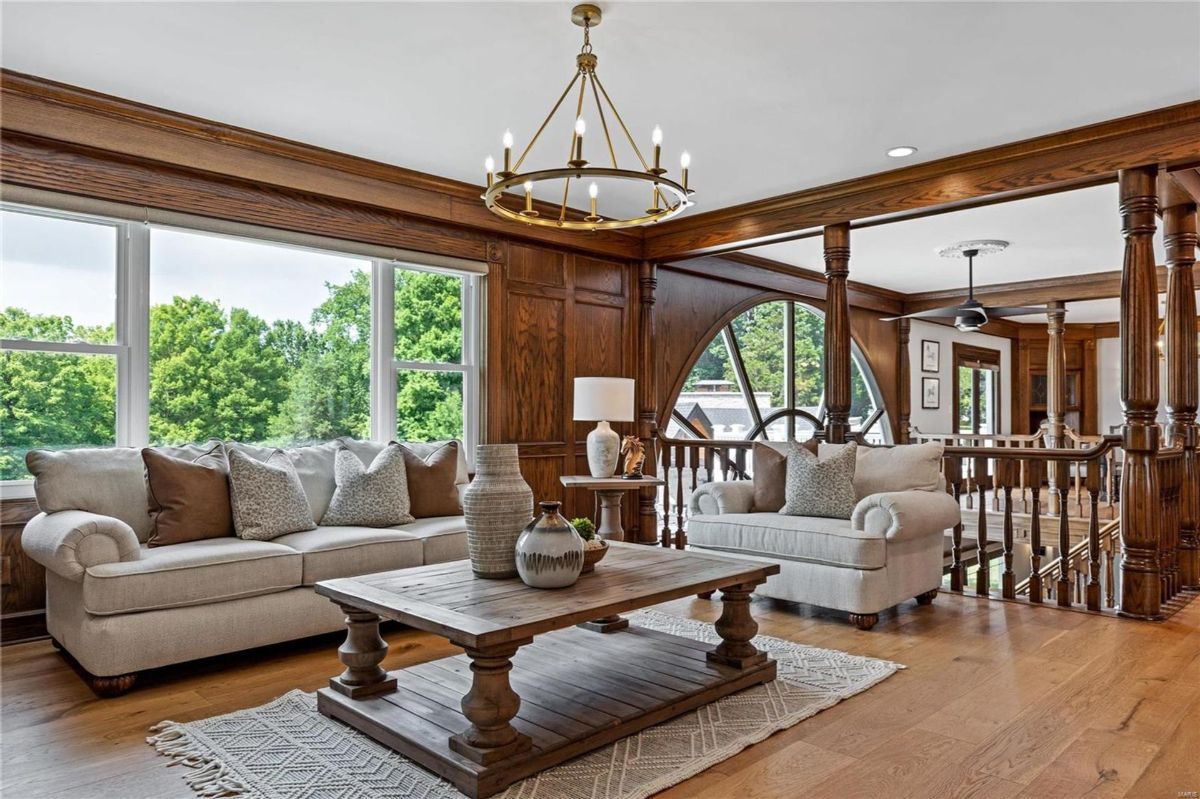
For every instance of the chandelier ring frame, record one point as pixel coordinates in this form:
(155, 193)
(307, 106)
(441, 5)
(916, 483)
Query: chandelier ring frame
(495, 192)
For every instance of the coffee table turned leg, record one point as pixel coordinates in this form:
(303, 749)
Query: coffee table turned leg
(361, 653)
(607, 624)
(490, 705)
(736, 628)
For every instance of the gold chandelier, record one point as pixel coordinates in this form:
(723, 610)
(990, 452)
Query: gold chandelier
(666, 197)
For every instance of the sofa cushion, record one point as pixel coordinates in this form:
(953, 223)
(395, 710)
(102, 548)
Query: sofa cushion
(332, 552)
(267, 497)
(433, 480)
(774, 535)
(189, 497)
(108, 482)
(820, 488)
(375, 496)
(443, 538)
(770, 477)
(882, 470)
(191, 573)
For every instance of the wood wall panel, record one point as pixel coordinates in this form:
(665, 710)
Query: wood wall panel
(594, 274)
(22, 581)
(534, 384)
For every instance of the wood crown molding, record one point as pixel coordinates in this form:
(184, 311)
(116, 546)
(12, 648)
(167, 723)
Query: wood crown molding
(49, 110)
(1088, 155)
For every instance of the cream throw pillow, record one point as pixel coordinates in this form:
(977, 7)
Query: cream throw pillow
(374, 497)
(905, 467)
(267, 497)
(820, 488)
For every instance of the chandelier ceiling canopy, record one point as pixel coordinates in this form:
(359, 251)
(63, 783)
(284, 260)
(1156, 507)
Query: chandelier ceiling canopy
(664, 196)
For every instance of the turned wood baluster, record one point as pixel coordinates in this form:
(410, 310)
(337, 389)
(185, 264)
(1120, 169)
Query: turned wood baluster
(837, 333)
(680, 466)
(1062, 483)
(983, 576)
(1004, 480)
(490, 706)
(953, 472)
(1033, 471)
(1093, 489)
(1141, 590)
(361, 653)
(709, 461)
(725, 463)
(666, 495)
(903, 380)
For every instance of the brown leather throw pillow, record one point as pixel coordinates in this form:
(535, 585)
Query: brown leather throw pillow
(770, 477)
(189, 500)
(432, 481)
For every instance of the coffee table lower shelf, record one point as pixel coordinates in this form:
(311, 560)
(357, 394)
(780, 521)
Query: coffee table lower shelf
(579, 690)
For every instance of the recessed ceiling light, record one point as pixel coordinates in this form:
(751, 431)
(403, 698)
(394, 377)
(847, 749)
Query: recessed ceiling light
(902, 151)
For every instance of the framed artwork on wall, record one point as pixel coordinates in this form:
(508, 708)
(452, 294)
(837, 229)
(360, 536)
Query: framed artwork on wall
(931, 355)
(930, 393)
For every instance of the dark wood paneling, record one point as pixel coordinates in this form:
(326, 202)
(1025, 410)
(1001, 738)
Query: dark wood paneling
(1083, 156)
(160, 138)
(606, 277)
(534, 384)
(22, 581)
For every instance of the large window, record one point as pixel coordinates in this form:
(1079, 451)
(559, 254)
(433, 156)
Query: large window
(768, 361)
(119, 332)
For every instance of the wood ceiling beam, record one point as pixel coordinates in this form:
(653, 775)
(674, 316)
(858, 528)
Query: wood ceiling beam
(1069, 288)
(1088, 155)
(53, 111)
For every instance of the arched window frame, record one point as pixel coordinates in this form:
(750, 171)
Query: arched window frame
(877, 424)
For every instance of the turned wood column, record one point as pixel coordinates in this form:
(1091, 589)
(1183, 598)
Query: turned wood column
(647, 387)
(1056, 375)
(1183, 380)
(837, 332)
(737, 629)
(904, 382)
(490, 706)
(361, 653)
(1140, 511)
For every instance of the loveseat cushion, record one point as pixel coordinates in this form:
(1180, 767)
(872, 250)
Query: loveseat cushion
(191, 573)
(904, 467)
(774, 535)
(332, 552)
(108, 482)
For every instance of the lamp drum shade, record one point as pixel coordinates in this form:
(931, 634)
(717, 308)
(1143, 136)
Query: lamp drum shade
(604, 399)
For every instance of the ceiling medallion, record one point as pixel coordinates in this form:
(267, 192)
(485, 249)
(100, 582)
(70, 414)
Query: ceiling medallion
(666, 197)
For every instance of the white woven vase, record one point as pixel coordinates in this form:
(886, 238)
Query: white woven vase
(498, 504)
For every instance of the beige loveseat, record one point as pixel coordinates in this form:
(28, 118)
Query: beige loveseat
(119, 607)
(887, 552)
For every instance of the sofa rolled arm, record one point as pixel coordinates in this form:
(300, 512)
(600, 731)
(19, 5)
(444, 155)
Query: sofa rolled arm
(714, 499)
(67, 542)
(904, 515)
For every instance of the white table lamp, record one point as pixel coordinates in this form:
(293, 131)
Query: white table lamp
(603, 400)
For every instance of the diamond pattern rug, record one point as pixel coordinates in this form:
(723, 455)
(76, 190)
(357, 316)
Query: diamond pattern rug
(285, 749)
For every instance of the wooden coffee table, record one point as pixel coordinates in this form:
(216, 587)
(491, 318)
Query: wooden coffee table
(583, 676)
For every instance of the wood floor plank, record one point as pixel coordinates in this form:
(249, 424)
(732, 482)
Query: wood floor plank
(1029, 674)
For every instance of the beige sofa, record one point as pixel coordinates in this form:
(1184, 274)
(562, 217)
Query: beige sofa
(887, 552)
(120, 607)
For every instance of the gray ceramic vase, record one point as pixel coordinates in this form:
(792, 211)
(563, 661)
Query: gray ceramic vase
(498, 505)
(550, 552)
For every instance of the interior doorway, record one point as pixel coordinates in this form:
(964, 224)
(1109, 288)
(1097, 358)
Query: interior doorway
(976, 390)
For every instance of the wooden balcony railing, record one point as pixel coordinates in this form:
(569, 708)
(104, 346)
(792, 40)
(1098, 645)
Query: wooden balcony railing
(1071, 554)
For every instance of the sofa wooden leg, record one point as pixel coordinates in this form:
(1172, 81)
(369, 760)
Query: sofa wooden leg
(864, 621)
(57, 646)
(109, 687)
(705, 595)
(927, 597)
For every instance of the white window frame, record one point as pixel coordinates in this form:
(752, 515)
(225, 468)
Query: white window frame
(132, 327)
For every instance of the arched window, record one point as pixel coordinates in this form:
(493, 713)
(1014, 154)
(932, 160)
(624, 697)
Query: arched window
(764, 363)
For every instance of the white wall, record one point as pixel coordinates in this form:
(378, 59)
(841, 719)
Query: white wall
(1108, 383)
(942, 420)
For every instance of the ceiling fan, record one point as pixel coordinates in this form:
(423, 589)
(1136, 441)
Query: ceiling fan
(972, 314)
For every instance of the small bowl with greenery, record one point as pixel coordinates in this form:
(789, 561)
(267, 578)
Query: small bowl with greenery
(594, 547)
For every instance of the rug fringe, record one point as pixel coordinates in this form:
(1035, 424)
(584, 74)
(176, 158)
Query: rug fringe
(211, 778)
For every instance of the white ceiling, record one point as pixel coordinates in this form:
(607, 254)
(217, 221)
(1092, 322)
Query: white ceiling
(768, 97)
(1071, 233)
(1089, 311)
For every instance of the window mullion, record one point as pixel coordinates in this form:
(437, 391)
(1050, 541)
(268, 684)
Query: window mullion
(133, 335)
(383, 349)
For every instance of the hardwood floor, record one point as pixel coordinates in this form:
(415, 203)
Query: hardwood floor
(998, 700)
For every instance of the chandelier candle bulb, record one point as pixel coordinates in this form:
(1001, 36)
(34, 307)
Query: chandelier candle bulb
(685, 161)
(593, 193)
(508, 145)
(529, 200)
(489, 165)
(656, 138)
(580, 129)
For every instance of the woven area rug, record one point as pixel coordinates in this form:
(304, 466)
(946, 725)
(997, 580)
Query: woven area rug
(287, 750)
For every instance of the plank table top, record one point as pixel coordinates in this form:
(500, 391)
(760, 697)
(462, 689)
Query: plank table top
(448, 600)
